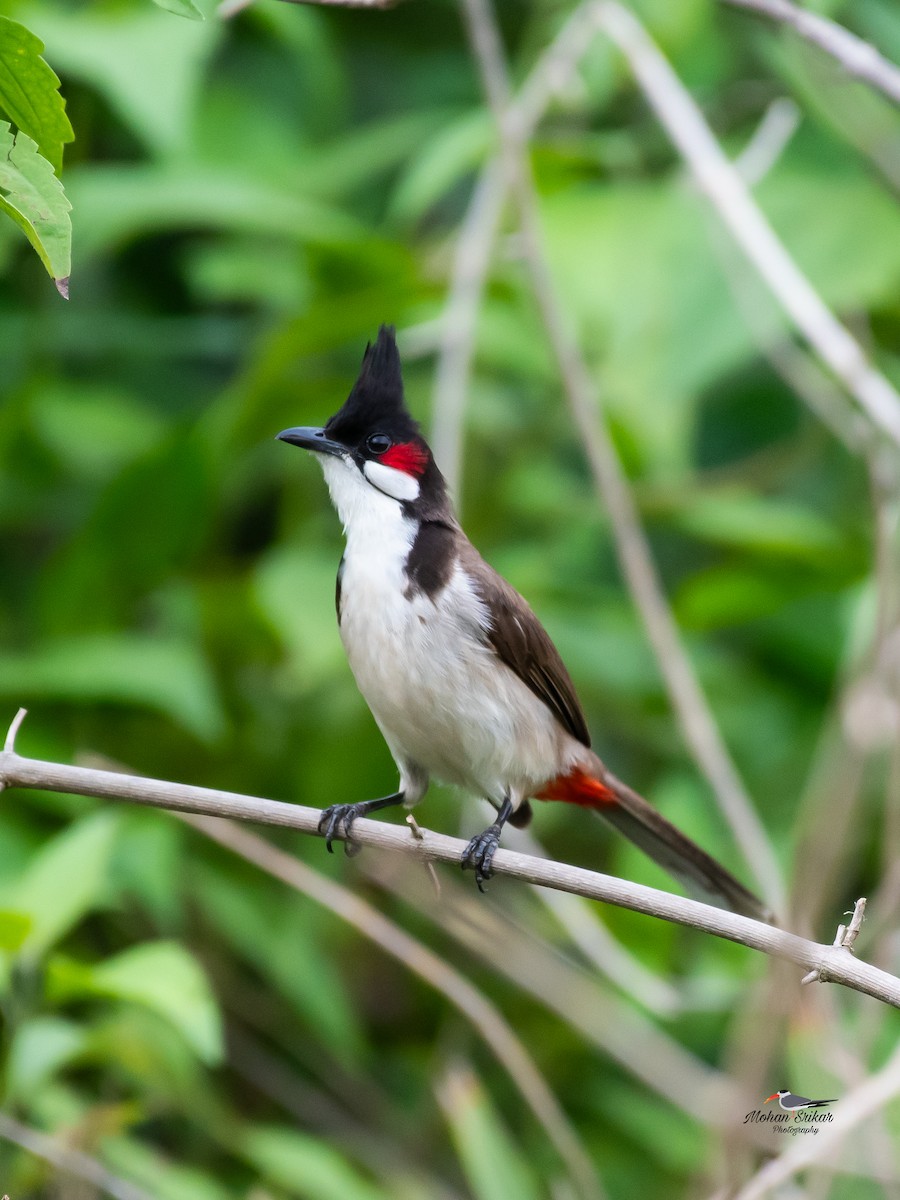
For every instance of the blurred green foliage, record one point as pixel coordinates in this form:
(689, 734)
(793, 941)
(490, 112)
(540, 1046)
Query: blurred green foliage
(251, 198)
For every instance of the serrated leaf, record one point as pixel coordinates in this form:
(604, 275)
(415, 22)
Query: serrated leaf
(32, 195)
(29, 92)
(181, 8)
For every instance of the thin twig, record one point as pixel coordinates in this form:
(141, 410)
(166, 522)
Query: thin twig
(552, 73)
(851, 933)
(72, 1162)
(459, 321)
(697, 722)
(779, 123)
(14, 728)
(834, 966)
(585, 926)
(685, 124)
(858, 58)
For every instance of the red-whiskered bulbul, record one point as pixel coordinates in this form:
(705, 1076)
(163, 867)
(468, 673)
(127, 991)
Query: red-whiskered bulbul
(461, 677)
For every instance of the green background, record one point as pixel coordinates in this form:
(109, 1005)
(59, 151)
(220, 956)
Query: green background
(251, 198)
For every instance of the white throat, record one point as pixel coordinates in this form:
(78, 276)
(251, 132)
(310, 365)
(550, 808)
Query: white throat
(374, 522)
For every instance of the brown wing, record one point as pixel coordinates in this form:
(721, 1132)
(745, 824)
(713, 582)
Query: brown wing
(520, 641)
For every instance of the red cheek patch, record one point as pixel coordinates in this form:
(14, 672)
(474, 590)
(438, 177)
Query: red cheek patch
(406, 456)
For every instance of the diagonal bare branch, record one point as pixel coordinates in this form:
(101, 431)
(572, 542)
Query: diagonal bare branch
(471, 262)
(858, 57)
(715, 175)
(68, 1161)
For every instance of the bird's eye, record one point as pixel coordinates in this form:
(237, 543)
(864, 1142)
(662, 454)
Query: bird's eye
(377, 443)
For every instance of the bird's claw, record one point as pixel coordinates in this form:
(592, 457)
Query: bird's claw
(338, 820)
(479, 855)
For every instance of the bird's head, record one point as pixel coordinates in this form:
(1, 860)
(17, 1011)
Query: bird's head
(778, 1095)
(372, 444)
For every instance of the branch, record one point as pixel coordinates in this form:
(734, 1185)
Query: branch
(832, 964)
(471, 261)
(857, 57)
(686, 126)
(69, 1161)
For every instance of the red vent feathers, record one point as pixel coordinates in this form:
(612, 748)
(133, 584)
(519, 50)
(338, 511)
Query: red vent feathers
(578, 788)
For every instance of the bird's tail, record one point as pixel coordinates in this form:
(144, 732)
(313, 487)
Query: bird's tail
(630, 813)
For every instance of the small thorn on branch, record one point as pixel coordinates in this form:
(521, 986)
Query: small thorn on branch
(9, 746)
(848, 935)
(419, 836)
(843, 940)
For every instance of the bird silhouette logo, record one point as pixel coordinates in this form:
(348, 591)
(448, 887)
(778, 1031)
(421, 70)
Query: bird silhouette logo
(792, 1103)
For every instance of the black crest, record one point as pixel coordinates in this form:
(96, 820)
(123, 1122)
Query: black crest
(376, 400)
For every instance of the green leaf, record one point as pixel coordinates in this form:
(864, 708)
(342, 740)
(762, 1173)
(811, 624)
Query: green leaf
(66, 879)
(14, 929)
(278, 937)
(133, 670)
(40, 1047)
(308, 630)
(304, 1166)
(490, 1159)
(444, 158)
(32, 195)
(769, 526)
(731, 595)
(165, 978)
(158, 1174)
(181, 8)
(29, 92)
(133, 200)
(124, 53)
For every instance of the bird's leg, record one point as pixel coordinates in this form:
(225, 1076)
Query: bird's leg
(479, 854)
(339, 818)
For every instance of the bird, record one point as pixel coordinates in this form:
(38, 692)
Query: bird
(794, 1104)
(461, 677)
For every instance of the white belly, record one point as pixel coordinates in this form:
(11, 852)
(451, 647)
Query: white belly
(447, 706)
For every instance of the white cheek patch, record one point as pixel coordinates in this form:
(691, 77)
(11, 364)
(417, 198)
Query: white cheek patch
(392, 482)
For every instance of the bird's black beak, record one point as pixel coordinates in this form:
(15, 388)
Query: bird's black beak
(309, 437)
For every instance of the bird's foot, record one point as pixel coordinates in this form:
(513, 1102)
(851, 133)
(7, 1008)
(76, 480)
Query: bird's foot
(338, 819)
(479, 855)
